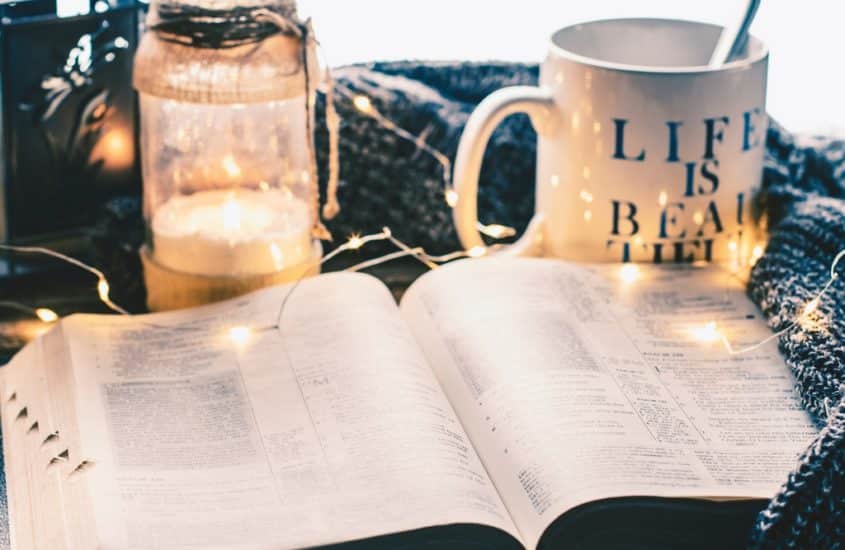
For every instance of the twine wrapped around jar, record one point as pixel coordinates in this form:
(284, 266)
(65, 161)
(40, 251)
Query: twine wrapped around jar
(225, 52)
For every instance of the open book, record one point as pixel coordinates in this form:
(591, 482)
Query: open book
(505, 404)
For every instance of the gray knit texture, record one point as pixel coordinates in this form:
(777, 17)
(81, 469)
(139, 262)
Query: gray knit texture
(805, 198)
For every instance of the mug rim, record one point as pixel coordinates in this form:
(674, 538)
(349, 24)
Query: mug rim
(761, 55)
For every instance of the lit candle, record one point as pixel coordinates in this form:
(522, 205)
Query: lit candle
(232, 231)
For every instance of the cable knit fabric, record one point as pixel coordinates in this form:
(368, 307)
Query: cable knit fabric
(804, 195)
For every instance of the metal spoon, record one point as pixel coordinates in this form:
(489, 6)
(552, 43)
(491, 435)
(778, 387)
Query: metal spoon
(733, 39)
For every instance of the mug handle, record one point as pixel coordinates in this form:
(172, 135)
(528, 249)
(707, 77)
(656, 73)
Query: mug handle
(539, 105)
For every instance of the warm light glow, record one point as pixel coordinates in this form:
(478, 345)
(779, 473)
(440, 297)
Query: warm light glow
(497, 231)
(586, 196)
(756, 254)
(451, 197)
(555, 181)
(103, 290)
(638, 241)
(46, 315)
(355, 242)
(240, 335)
(707, 333)
(278, 257)
(231, 215)
(596, 127)
(629, 273)
(264, 186)
(586, 172)
(477, 251)
(231, 166)
(663, 198)
(811, 306)
(733, 246)
(698, 218)
(588, 215)
(363, 104)
(117, 148)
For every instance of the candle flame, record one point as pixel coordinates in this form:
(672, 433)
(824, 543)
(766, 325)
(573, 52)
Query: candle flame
(231, 215)
(231, 166)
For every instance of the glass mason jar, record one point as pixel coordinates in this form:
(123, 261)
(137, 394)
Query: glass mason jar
(230, 187)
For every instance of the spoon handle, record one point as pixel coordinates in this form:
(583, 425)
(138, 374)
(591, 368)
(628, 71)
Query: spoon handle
(733, 39)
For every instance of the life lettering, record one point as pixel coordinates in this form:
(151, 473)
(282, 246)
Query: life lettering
(675, 240)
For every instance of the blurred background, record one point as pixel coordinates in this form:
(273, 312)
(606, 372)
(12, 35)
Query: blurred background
(806, 39)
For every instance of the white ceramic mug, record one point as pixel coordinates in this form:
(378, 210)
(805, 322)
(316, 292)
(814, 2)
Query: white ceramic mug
(645, 154)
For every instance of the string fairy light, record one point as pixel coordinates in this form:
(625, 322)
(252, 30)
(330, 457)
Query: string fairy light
(102, 284)
(239, 335)
(809, 319)
(364, 105)
(44, 314)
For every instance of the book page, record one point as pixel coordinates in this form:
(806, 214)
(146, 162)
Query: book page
(329, 427)
(577, 384)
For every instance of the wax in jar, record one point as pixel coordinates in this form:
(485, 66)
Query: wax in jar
(232, 232)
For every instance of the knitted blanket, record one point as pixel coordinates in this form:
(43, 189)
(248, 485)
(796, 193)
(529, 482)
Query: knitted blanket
(387, 180)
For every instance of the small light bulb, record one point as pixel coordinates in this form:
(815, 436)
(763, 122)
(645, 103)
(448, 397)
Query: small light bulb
(477, 251)
(586, 196)
(451, 197)
(46, 315)
(103, 290)
(363, 104)
(733, 246)
(707, 333)
(698, 218)
(355, 242)
(498, 231)
(231, 166)
(588, 215)
(663, 198)
(629, 273)
(756, 254)
(240, 335)
(811, 306)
